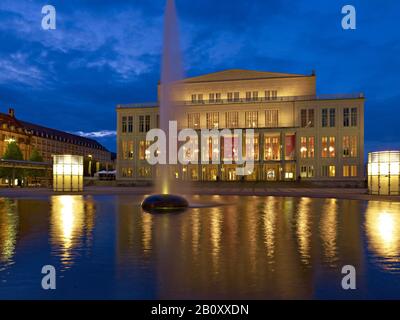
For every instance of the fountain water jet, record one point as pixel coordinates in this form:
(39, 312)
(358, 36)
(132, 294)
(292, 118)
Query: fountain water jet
(166, 200)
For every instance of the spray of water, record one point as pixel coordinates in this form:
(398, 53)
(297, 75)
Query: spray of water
(172, 71)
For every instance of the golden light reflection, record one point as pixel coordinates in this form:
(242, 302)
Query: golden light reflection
(269, 226)
(382, 224)
(328, 229)
(147, 223)
(67, 225)
(8, 229)
(216, 217)
(195, 219)
(303, 230)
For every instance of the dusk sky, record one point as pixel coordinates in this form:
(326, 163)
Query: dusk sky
(108, 52)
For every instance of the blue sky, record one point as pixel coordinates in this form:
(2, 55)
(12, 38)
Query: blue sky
(108, 52)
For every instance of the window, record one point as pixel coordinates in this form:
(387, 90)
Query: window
(328, 171)
(200, 98)
(194, 120)
(251, 119)
(307, 147)
(271, 118)
(141, 123)
(147, 123)
(232, 119)
(307, 171)
(354, 117)
(256, 149)
(332, 117)
(271, 94)
(255, 95)
(346, 117)
(236, 96)
(211, 97)
(350, 146)
(324, 118)
(307, 118)
(144, 172)
(311, 147)
(194, 98)
(303, 147)
(350, 171)
(123, 124)
(127, 172)
(248, 95)
(271, 148)
(143, 153)
(328, 147)
(217, 97)
(230, 96)
(130, 124)
(303, 118)
(212, 120)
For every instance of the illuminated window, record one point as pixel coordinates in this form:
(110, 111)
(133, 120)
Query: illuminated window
(217, 97)
(350, 146)
(328, 171)
(211, 97)
(256, 147)
(271, 148)
(144, 172)
(194, 98)
(67, 173)
(232, 119)
(307, 171)
(143, 153)
(303, 147)
(236, 96)
(212, 120)
(251, 119)
(350, 171)
(194, 120)
(328, 147)
(230, 96)
(271, 118)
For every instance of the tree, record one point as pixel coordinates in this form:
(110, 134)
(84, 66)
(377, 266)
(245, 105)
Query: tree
(13, 152)
(36, 157)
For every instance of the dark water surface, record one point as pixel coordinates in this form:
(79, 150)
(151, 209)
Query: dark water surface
(251, 247)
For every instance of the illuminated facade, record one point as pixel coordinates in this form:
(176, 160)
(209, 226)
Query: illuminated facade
(384, 172)
(48, 141)
(67, 173)
(298, 135)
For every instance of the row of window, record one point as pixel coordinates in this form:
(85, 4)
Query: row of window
(235, 96)
(328, 171)
(328, 117)
(272, 148)
(232, 119)
(305, 171)
(143, 123)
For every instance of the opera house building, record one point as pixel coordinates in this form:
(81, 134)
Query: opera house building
(299, 135)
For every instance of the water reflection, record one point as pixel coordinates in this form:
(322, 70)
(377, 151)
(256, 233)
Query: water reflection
(303, 229)
(328, 230)
(71, 225)
(8, 230)
(382, 223)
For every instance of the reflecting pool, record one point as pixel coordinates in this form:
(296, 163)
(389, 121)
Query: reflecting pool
(106, 247)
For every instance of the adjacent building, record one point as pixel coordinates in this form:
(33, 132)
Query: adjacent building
(49, 141)
(298, 134)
